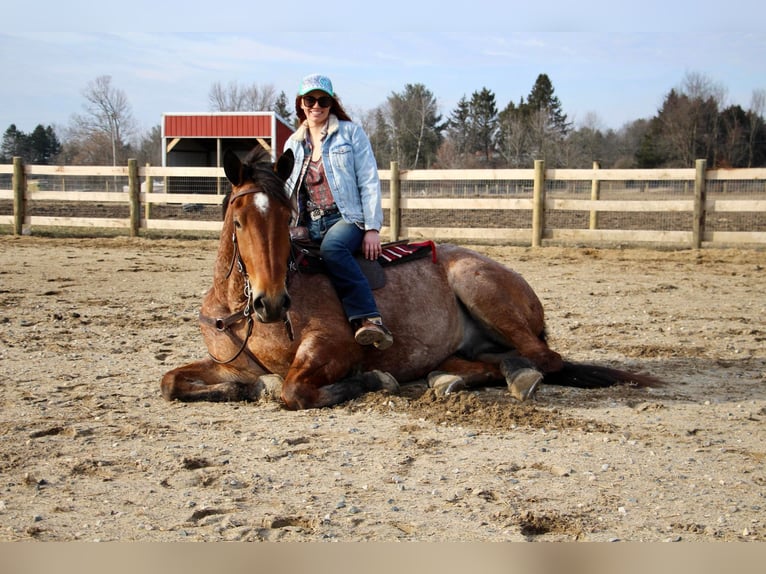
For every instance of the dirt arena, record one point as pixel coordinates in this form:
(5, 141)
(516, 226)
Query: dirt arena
(90, 451)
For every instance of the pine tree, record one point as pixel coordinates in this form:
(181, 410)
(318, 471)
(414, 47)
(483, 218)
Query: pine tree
(14, 144)
(548, 126)
(484, 121)
(42, 146)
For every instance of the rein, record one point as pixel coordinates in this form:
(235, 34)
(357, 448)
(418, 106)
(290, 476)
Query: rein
(223, 324)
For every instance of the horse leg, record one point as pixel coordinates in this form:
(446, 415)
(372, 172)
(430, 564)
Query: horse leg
(456, 374)
(503, 303)
(319, 377)
(206, 380)
(297, 394)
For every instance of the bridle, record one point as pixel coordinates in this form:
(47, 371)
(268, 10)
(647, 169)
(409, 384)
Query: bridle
(223, 324)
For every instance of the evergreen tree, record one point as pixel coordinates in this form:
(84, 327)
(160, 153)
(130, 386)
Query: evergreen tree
(43, 146)
(459, 128)
(283, 107)
(542, 98)
(484, 122)
(40, 147)
(14, 144)
(547, 124)
(380, 139)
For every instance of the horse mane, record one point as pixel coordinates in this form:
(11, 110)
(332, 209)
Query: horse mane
(258, 168)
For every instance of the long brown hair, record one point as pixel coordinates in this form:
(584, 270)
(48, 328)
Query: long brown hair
(335, 108)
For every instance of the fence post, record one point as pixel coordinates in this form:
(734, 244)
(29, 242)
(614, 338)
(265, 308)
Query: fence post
(595, 193)
(698, 224)
(395, 216)
(538, 203)
(148, 188)
(19, 200)
(134, 191)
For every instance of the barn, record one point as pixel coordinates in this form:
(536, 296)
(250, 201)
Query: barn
(200, 139)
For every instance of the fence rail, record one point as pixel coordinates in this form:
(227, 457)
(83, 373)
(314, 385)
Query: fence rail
(690, 207)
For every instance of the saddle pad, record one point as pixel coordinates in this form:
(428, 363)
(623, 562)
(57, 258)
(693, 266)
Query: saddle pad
(402, 251)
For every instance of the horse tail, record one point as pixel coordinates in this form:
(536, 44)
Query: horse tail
(587, 376)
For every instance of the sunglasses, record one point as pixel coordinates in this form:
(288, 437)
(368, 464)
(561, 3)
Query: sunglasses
(323, 101)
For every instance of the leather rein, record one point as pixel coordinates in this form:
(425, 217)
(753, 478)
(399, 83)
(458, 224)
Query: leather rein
(223, 324)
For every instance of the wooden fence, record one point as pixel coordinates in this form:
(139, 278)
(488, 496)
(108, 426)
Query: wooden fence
(417, 205)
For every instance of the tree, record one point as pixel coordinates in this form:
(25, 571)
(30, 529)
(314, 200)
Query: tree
(512, 137)
(415, 127)
(238, 98)
(687, 125)
(14, 144)
(459, 128)
(150, 147)
(43, 146)
(377, 129)
(283, 108)
(547, 124)
(535, 128)
(586, 144)
(626, 143)
(40, 147)
(101, 135)
(756, 141)
(484, 123)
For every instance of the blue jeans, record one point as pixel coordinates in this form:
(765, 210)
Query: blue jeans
(339, 240)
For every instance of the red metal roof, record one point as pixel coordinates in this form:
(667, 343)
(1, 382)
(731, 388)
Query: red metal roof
(226, 125)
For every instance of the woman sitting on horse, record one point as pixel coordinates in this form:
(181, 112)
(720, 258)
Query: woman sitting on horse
(336, 190)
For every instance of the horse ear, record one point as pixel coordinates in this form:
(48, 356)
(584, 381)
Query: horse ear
(232, 167)
(285, 164)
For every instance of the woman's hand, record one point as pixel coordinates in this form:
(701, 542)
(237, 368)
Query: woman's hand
(371, 244)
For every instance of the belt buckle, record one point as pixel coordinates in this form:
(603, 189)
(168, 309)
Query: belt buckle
(316, 214)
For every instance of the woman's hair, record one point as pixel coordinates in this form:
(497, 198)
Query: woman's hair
(335, 108)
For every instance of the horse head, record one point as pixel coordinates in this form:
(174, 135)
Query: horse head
(258, 217)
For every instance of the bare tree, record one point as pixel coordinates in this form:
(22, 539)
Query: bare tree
(415, 126)
(585, 145)
(513, 137)
(755, 115)
(100, 135)
(240, 98)
(709, 97)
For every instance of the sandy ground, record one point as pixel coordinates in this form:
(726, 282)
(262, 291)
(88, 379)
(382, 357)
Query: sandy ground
(90, 451)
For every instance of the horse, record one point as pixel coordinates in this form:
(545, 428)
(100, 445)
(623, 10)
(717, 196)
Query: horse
(459, 319)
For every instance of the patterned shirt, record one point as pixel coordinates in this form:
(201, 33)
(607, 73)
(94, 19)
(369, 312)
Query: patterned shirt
(320, 194)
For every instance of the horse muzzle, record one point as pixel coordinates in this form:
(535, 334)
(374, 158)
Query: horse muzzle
(270, 309)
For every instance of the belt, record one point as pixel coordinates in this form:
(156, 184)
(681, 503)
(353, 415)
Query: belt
(319, 213)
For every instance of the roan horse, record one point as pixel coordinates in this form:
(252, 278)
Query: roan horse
(459, 319)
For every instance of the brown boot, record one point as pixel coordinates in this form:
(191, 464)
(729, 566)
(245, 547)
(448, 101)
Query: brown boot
(372, 331)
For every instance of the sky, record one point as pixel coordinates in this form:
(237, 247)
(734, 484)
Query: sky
(609, 63)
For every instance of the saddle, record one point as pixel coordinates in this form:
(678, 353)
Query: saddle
(306, 258)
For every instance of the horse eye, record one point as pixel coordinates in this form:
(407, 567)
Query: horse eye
(237, 224)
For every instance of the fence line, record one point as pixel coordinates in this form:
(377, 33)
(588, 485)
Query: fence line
(527, 206)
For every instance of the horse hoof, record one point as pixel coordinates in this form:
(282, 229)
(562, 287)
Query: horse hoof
(387, 381)
(269, 387)
(523, 384)
(445, 383)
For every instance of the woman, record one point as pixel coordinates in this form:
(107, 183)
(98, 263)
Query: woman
(336, 190)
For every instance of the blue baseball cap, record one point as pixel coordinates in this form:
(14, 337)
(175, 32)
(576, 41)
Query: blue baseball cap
(316, 82)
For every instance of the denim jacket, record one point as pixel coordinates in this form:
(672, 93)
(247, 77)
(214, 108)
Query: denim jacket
(351, 171)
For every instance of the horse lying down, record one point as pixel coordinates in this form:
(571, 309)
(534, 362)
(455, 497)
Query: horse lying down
(459, 318)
